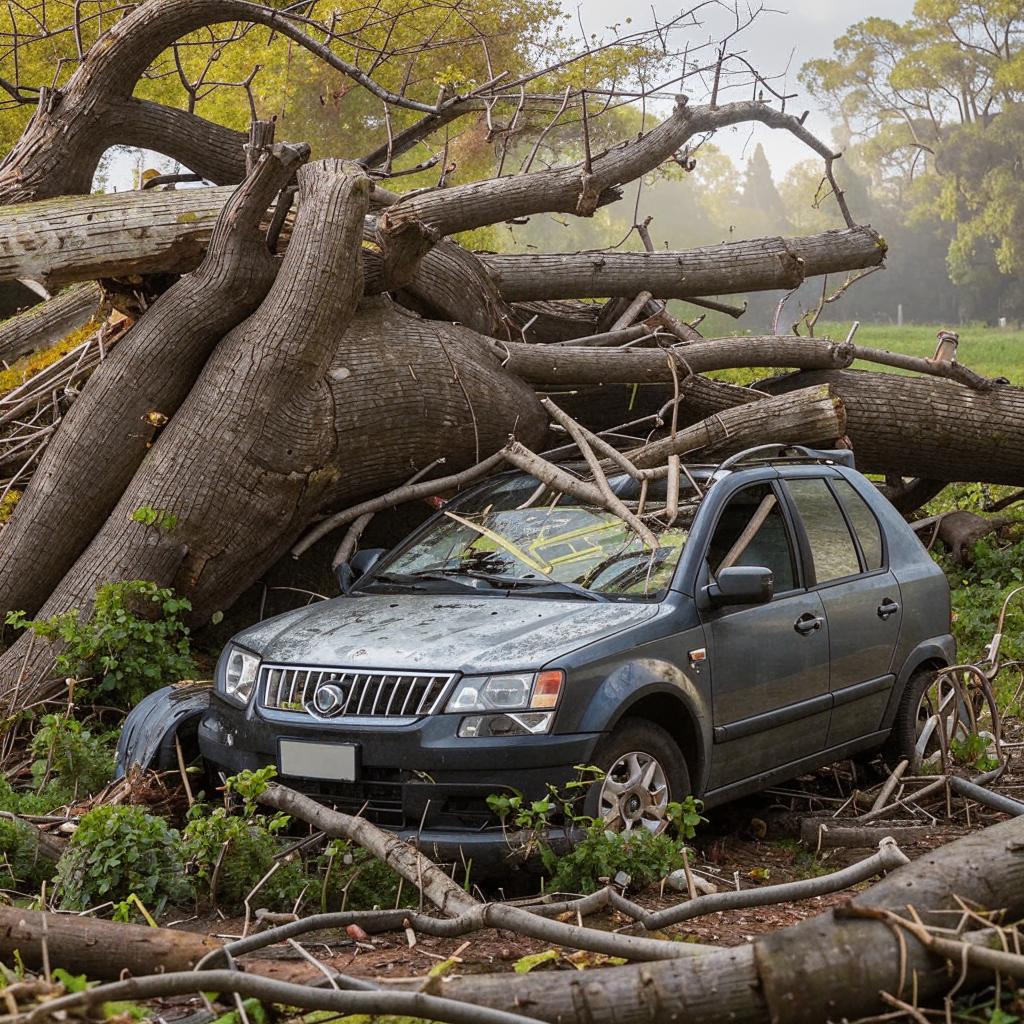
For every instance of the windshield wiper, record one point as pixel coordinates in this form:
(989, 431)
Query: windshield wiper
(414, 580)
(529, 582)
(534, 583)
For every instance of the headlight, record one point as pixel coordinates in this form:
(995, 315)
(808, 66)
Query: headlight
(515, 691)
(240, 670)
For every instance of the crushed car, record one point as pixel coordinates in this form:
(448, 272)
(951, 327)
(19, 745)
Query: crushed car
(788, 618)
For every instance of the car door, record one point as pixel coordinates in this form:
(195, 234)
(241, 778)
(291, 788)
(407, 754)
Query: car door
(845, 551)
(769, 662)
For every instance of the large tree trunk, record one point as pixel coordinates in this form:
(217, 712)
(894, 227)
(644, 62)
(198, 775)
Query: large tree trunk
(244, 461)
(135, 391)
(918, 426)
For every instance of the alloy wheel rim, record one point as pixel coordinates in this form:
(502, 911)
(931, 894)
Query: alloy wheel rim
(634, 794)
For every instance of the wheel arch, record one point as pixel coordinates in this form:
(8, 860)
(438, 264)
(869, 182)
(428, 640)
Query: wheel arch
(932, 654)
(668, 709)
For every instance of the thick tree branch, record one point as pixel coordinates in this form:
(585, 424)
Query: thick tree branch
(576, 364)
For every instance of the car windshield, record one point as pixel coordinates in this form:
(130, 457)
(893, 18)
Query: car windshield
(524, 536)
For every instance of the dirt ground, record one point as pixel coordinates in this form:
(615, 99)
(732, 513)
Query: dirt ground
(749, 843)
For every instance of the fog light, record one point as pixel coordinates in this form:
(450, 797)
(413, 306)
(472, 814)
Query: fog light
(471, 726)
(525, 723)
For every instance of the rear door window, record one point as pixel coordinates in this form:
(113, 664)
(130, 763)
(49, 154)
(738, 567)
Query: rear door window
(832, 547)
(864, 523)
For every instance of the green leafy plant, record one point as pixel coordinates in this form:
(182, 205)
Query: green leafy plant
(71, 756)
(350, 878)
(42, 801)
(134, 640)
(250, 784)
(600, 855)
(117, 851)
(230, 854)
(597, 854)
(160, 518)
(21, 866)
(973, 752)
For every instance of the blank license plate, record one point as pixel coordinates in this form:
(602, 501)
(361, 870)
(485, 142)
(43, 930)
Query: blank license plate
(335, 762)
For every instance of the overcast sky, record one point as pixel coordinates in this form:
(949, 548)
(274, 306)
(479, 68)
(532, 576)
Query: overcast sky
(800, 31)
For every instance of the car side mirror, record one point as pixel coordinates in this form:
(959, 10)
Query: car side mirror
(741, 584)
(362, 562)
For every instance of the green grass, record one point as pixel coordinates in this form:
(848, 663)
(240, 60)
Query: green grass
(989, 351)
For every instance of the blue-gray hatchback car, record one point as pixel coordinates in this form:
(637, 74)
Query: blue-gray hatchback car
(788, 618)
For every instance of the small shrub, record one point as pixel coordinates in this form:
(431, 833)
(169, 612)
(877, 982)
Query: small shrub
(21, 867)
(134, 640)
(117, 851)
(43, 801)
(350, 878)
(599, 854)
(8, 503)
(71, 757)
(645, 857)
(245, 849)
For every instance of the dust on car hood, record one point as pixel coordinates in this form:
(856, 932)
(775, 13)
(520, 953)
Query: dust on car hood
(438, 632)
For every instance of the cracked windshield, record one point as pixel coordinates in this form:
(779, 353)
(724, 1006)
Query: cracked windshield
(523, 535)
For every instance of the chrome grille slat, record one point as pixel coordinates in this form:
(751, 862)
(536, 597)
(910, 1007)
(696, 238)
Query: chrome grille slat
(376, 695)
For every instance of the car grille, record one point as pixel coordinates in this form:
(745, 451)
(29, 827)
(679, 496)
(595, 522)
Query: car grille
(366, 695)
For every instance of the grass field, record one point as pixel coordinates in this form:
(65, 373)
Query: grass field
(986, 350)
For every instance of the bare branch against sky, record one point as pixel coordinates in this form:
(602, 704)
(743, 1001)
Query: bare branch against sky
(785, 37)
(786, 34)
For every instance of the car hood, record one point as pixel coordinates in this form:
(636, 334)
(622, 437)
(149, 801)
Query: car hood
(438, 632)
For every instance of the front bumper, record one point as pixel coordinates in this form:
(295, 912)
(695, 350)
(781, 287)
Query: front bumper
(421, 780)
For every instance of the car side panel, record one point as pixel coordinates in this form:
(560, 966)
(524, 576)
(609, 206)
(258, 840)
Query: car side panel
(604, 688)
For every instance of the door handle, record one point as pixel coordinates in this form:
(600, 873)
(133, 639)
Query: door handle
(807, 623)
(887, 607)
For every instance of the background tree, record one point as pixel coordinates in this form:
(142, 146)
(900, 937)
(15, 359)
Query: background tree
(936, 101)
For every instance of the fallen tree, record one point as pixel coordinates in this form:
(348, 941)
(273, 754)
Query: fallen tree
(289, 354)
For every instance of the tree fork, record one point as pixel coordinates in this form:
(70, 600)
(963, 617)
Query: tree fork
(136, 390)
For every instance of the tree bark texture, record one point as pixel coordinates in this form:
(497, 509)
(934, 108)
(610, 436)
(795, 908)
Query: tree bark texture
(245, 460)
(136, 390)
(546, 365)
(918, 426)
(120, 234)
(761, 264)
(246, 463)
(43, 325)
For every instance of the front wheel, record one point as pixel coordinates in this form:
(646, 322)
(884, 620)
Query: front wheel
(644, 771)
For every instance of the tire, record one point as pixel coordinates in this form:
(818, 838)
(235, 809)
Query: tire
(902, 740)
(626, 757)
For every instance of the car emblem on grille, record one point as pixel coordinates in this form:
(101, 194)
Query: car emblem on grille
(329, 698)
